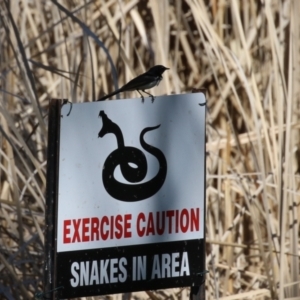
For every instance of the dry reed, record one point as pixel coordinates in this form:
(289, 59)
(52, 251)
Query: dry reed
(244, 52)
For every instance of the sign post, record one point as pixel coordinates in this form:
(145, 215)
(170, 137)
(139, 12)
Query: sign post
(51, 197)
(131, 196)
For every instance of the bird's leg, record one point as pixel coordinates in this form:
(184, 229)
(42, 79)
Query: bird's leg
(141, 96)
(149, 95)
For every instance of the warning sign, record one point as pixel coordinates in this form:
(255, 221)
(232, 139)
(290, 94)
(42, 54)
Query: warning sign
(131, 195)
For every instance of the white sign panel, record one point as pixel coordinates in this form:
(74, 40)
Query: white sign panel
(131, 173)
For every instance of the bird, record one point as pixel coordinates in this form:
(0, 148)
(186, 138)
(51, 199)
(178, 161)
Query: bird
(147, 80)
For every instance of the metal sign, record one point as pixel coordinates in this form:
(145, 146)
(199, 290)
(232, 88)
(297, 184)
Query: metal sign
(131, 196)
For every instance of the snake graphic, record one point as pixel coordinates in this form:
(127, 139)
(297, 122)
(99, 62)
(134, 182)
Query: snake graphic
(124, 156)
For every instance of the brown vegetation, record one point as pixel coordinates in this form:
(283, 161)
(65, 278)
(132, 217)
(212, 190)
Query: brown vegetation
(244, 52)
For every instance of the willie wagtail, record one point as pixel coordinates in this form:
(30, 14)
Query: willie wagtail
(142, 82)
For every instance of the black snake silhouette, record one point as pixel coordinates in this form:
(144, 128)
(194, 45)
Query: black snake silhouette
(125, 155)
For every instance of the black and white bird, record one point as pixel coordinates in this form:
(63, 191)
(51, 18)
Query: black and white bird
(147, 80)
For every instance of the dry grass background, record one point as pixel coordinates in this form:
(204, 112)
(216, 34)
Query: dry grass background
(244, 52)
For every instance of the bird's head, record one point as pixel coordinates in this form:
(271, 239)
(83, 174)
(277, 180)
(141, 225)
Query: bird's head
(157, 70)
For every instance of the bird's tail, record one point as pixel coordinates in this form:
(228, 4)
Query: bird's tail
(109, 95)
